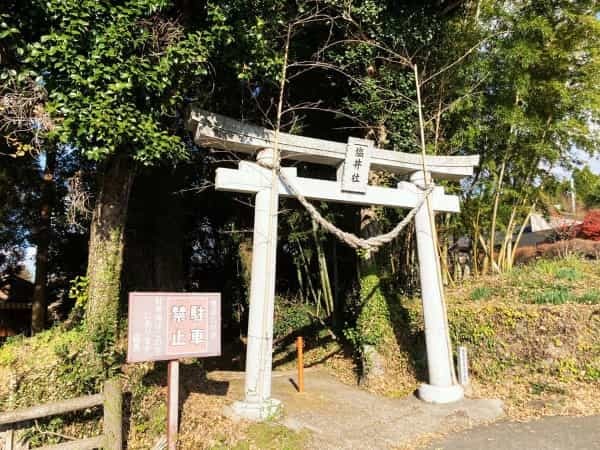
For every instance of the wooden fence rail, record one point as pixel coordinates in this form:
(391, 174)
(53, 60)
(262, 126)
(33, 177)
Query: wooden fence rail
(112, 400)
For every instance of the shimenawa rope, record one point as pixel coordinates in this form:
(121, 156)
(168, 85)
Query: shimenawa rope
(370, 244)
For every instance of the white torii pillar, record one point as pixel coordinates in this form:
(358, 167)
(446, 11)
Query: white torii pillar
(442, 386)
(258, 404)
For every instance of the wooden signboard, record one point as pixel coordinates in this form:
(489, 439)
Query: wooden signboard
(168, 326)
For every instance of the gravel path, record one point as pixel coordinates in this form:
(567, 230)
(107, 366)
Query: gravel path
(346, 417)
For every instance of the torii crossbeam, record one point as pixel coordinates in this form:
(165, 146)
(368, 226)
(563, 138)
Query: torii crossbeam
(354, 161)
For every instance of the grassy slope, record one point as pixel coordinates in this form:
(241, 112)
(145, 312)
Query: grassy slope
(53, 365)
(533, 337)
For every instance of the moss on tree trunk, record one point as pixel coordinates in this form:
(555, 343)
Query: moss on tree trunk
(106, 249)
(373, 322)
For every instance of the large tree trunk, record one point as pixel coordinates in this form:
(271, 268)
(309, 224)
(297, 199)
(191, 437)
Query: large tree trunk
(106, 249)
(42, 241)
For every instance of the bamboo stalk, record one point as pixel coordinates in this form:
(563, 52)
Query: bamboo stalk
(507, 237)
(475, 243)
(520, 235)
(485, 249)
(300, 283)
(495, 214)
(308, 278)
(323, 272)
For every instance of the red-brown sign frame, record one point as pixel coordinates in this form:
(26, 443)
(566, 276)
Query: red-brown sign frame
(173, 325)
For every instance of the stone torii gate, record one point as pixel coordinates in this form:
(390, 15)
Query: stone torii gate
(353, 160)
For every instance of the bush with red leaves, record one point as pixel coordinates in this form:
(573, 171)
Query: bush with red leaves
(590, 228)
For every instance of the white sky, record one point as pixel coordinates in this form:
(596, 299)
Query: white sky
(595, 165)
(29, 261)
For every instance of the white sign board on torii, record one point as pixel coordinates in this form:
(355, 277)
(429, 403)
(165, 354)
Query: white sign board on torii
(353, 160)
(356, 165)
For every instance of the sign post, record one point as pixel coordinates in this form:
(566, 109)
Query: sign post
(168, 326)
(172, 404)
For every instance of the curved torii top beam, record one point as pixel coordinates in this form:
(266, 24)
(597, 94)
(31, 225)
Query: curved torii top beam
(217, 131)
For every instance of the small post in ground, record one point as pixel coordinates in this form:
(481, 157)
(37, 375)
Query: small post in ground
(300, 350)
(113, 414)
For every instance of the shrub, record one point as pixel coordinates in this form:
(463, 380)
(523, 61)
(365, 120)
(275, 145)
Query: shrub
(556, 295)
(590, 228)
(290, 317)
(481, 293)
(51, 365)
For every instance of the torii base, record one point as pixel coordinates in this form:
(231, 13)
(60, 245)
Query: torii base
(255, 411)
(441, 394)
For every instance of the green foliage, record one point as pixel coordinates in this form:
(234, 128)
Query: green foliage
(587, 186)
(569, 274)
(552, 281)
(554, 295)
(52, 365)
(538, 388)
(592, 372)
(117, 72)
(570, 268)
(269, 436)
(471, 328)
(7, 351)
(79, 291)
(481, 293)
(290, 317)
(592, 297)
(7, 31)
(528, 115)
(153, 421)
(276, 437)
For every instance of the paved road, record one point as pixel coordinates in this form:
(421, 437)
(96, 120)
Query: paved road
(550, 433)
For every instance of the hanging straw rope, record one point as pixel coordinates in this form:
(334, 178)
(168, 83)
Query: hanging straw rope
(370, 244)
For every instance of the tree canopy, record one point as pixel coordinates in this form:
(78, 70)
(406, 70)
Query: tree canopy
(102, 87)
